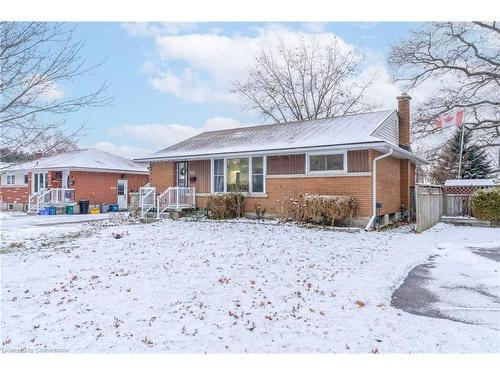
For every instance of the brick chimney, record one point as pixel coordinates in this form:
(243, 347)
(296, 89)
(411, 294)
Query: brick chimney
(404, 120)
(38, 155)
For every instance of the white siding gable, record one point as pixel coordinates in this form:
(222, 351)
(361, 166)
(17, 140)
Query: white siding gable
(389, 129)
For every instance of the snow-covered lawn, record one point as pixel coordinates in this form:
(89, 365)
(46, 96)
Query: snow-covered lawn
(181, 286)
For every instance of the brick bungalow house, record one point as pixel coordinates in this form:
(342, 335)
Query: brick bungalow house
(367, 156)
(68, 177)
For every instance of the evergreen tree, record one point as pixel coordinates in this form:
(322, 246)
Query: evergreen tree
(475, 163)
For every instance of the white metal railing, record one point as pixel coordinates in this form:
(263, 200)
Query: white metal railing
(175, 198)
(33, 201)
(147, 199)
(55, 196)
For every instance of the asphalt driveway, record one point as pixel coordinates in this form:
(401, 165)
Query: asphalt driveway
(463, 287)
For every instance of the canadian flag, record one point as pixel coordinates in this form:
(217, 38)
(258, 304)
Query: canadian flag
(451, 119)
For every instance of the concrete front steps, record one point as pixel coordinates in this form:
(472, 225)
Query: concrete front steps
(466, 221)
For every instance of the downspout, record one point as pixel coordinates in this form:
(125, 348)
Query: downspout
(374, 186)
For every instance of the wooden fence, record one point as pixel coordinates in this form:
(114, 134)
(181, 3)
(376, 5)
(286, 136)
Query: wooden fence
(457, 205)
(428, 205)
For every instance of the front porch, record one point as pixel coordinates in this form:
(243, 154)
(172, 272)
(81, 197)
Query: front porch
(54, 197)
(172, 199)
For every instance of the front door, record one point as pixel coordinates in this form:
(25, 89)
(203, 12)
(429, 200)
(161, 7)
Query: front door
(122, 192)
(65, 179)
(39, 181)
(181, 174)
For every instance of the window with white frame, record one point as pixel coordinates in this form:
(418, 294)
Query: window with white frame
(237, 175)
(25, 179)
(218, 175)
(258, 174)
(11, 179)
(244, 174)
(334, 162)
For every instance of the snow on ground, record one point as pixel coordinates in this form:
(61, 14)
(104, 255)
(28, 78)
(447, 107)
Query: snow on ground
(465, 282)
(20, 226)
(186, 286)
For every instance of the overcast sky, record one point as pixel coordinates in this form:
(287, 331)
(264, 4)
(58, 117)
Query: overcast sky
(170, 81)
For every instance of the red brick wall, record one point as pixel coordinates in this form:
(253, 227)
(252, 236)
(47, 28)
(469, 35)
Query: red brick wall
(405, 182)
(14, 194)
(389, 185)
(357, 186)
(100, 187)
(413, 178)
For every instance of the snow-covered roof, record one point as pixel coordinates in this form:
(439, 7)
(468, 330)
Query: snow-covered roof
(475, 182)
(86, 159)
(352, 129)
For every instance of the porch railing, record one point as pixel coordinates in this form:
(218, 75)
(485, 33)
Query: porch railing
(147, 195)
(55, 196)
(175, 198)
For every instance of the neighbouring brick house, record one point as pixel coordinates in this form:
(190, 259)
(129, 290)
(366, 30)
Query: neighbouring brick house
(367, 156)
(90, 174)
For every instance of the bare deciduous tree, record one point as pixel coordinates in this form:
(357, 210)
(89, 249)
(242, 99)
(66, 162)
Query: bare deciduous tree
(310, 81)
(35, 58)
(463, 60)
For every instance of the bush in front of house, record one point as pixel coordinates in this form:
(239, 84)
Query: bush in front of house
(317, 209)
(225, 206)
(291, 209)
(486, 204)
(325, 209)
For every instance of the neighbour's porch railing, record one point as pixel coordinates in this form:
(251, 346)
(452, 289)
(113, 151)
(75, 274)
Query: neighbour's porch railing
(55, 196)
(147, 199)
(175, 198)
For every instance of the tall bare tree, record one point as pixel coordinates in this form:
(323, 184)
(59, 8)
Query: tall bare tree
(309, 81)
(463, 60)
(35, 58)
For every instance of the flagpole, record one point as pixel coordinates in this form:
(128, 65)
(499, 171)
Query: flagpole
(461, 147)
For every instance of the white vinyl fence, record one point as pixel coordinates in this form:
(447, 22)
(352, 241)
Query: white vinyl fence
(429, 205)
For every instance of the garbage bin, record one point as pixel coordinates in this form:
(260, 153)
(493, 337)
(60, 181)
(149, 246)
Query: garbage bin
(113, 207)
(84, 206)
(104, 207)
(69, 209)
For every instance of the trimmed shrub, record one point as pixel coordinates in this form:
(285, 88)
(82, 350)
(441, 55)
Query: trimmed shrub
(291, 209)
(325, 209)
(317, 209)
(225, 206)
(486, 204)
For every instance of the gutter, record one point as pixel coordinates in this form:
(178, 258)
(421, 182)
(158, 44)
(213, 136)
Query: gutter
(374, 186)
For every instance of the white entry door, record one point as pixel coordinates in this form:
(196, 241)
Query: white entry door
(122, 192)
(39, 181)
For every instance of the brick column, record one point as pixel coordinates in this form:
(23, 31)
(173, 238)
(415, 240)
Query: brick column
(405, 182)
(404, 120)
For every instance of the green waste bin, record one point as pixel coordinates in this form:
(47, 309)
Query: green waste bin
(69, 209)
